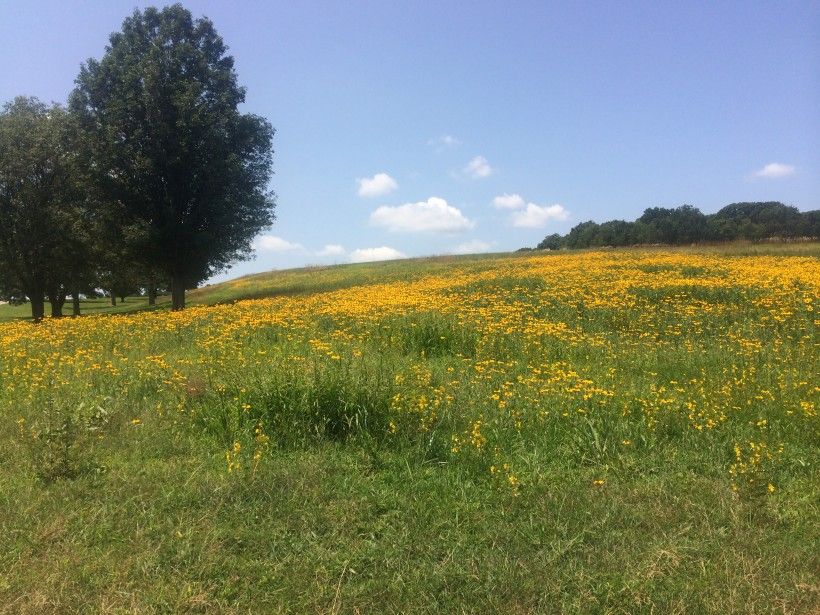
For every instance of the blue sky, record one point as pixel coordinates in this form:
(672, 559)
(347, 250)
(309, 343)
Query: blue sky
(485, 126)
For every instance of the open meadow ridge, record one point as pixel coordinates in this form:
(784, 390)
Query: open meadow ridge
(616, 431)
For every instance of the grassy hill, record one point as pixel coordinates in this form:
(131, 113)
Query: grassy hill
(618, 431)
(279, 283)
(307, 280)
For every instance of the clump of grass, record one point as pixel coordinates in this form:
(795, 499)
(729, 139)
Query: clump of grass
(331, 402)
(61, 443)
(435, 335)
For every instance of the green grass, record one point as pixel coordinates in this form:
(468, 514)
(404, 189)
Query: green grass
(100, 305)
(330, 527)
(115, 494)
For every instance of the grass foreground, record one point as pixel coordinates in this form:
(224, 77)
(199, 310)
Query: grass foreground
(620, 431)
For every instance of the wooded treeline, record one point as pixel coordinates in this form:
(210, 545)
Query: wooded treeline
(148, 180)
(687, 225)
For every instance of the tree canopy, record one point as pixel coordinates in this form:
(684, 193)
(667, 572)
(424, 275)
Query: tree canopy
(40, 202)
(168, 148)
(686, 225)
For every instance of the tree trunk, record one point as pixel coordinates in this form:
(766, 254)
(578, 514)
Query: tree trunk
(113, 298)
(75, 302)
(177, 294)
(38, 306)
(152, 292)
(57, 300)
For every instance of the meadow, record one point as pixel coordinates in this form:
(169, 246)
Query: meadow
(615, 431)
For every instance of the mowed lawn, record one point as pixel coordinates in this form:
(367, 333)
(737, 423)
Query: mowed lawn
(614, 431)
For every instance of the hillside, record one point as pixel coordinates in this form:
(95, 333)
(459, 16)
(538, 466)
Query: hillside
(305, 280)
(618, 431)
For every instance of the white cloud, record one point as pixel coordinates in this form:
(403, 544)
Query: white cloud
(775, 170)
(536, 216)
(474, 246)
(433, 215)
(508, 201)
(367, 255)
(331, 249)
(445, 141)
(378, 185)
(478, 168)
(271, 243)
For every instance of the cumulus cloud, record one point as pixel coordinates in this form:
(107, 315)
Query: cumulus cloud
(433, 215)
(445, 141)
(378, 185)
(536, 216)
(529, 215)
(478, 168)
(474, 246)
(331, 249)
(272, 243)
(775, 170)
(367, 255)
(508, 201)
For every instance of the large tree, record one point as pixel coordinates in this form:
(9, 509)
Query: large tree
(168, 146)
(40, 203)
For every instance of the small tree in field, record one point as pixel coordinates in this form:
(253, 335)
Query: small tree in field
(167, 144)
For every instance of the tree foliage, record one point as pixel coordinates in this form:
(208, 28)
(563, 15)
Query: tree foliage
(40, 204)
(170, 151)
(686, 225)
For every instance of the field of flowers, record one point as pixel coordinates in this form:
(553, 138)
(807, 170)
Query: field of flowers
(622, 431)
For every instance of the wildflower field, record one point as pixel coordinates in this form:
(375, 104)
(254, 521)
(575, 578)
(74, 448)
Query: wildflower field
(618, 431)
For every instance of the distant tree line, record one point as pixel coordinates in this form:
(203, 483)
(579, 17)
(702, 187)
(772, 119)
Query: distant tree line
(687, 225)
(148, 180)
